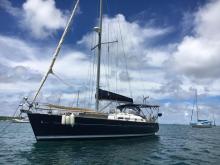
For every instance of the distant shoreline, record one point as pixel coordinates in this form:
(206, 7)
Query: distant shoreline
(4, 118)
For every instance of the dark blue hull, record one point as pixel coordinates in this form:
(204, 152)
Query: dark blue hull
(47, 127)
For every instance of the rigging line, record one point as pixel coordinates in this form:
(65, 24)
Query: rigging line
(108, 59)
(105, 69)
(124, 57)
(90, 80)
(112, 60)
(116, 71)
(9, 123)
(142, 79)
(62, 81)
(90, 68)
(141, 75)
(103, 61)
(193, 109)
(93, 71)
(84, 95)
(93, 77)
(117, 49)
(89, 84)
(108, 8)
(93, 68)
(103, 108)
(73, 97)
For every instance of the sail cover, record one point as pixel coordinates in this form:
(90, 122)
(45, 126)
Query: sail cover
(106, 95)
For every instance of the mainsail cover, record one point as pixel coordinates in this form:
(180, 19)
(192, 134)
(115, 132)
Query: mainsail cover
(106, 95)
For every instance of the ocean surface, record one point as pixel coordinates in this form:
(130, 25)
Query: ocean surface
(174, 144)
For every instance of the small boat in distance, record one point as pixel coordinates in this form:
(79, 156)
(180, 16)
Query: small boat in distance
(124, 119)
(20, 120)
(202, 124)
(199, 123)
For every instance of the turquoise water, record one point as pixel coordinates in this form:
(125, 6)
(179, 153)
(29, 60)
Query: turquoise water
(174, 144)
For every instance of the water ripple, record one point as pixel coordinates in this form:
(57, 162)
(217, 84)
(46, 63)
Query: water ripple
(175, 144)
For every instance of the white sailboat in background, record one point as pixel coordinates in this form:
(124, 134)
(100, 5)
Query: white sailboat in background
(199, 123)
(21, 118)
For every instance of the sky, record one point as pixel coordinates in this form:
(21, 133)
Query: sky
(164, 50)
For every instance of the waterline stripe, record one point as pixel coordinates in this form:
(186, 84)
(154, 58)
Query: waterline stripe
(90, 136)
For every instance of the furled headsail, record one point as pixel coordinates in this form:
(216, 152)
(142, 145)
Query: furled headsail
(107, 95)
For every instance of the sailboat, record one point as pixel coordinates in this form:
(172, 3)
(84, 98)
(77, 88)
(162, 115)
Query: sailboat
(21, 117)
(199, 123)
(20, 120)
(127, 119)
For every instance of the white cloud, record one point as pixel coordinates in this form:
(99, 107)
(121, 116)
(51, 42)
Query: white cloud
(199, 55)
(207, 21)
(6, 4)
(133, 39)
(42, 17)
(131, 32)
(195, 63)
(13, 49)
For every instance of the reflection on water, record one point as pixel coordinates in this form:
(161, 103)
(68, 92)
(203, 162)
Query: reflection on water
(92, 151)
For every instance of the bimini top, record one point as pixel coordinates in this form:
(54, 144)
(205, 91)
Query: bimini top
(138, 106)
(202, 120)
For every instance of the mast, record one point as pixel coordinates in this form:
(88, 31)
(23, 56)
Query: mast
(194, 104)
(192, 115)
(99, 31)
(214, 120)
(77, 102)
(50, 70)
(197, 109)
